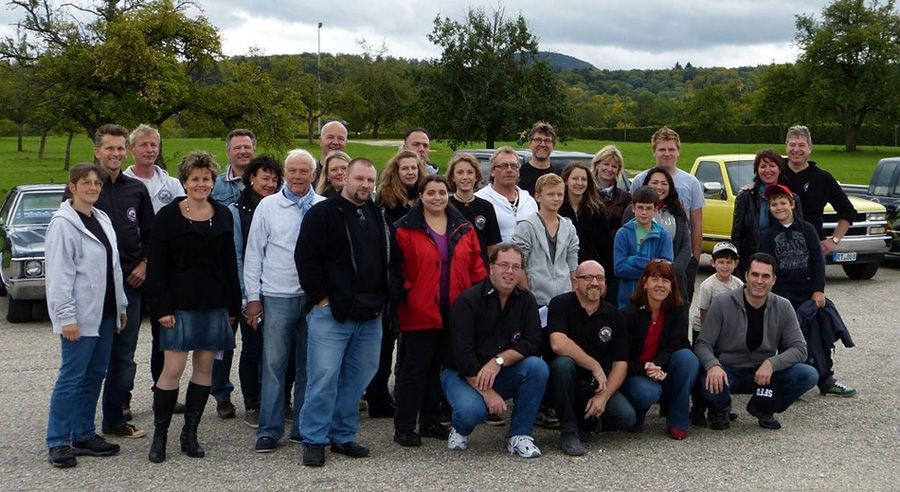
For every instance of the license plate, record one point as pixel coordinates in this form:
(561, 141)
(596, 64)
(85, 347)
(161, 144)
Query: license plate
(844, 257)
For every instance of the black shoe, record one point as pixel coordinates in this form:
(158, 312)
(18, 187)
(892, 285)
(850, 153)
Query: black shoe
(719, 420)
(313, 454)
(62, 457)
(407, 438)
(698, 416)
(494, 420)
(225, 409)
(194, 401)
(766, 420)
(296, 439)
(436, 431)
(266, 444)
(163, 404)
(126, 412)
(179, 408)
(95, 446)
(350, 449)
(571, 444)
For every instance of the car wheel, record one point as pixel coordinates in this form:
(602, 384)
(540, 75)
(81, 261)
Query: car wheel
(19, 311)
(861, 271)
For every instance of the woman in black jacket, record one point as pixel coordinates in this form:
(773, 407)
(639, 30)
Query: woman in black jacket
(661, 366)
(193, 285)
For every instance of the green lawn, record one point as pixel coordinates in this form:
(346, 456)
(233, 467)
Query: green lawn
(25, 167)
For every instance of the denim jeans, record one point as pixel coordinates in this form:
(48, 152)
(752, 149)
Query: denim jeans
(122, 368)
(221, 386)
(284, 336)
(570, 395)
(73, 402)
(674, 391)
(524, 382)
(341, 360)
(790, 383)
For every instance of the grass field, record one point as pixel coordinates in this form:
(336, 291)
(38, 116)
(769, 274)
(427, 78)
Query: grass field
(25, 167)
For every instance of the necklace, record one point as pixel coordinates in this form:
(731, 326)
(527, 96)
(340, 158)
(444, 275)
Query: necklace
(464, 202)
(187, 211)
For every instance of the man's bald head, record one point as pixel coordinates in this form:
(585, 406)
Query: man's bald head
(333, 137)
(590, 282)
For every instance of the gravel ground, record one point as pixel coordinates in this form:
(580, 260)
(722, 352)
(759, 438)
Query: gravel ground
(826, 443)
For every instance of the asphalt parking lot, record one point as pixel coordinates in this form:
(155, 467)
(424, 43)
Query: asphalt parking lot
(825, 444)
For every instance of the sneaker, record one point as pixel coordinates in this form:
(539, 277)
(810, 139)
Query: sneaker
(837, 388)
(126, 412)
(126, 430)
(766, 420)
(350, 449)
(457, 441)
(494, 420)
(95, 446)
(676, 433)
(571, 444)
(436, 431)
(719, 420)
(522, 446)
(225, 409)
(288, 412)
(61, 456)
(313, 454)
(546, 417)
(407, 438)
(266, 444)
(251, 418)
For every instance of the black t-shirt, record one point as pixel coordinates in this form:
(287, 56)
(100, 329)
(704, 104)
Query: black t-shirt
(481, 214)
(601, 335)
(109, 297)
(528, 176)
(754, 325)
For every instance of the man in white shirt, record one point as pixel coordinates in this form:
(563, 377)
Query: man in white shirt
(510, 202)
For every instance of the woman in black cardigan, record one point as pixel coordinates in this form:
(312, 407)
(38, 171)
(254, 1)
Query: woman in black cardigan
(661, 366)
(193, 286)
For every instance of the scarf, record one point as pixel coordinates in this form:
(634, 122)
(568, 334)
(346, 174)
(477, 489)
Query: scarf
(303, 202)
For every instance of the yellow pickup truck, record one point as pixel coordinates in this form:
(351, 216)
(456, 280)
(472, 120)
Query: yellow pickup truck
(722, 176)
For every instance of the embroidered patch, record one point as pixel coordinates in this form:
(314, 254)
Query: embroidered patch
(165, 196)
(131, 213)
(480, 221)
(605, 334)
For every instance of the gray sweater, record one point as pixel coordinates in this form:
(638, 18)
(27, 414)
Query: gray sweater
(723, 338)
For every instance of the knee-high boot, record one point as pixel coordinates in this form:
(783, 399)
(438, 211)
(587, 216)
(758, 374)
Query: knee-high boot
(163, 404)
(194, 403)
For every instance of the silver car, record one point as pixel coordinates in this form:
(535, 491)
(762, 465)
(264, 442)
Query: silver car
(24, 217)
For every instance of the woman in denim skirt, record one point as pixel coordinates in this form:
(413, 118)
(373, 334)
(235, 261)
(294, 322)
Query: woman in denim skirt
(193, 284)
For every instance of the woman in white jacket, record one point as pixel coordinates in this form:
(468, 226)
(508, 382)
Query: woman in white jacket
(86, 302)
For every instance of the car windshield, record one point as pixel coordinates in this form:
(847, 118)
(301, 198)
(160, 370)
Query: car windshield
(740, 173)
(37, 208)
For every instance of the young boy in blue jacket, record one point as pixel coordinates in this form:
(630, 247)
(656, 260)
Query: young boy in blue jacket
(639, 241)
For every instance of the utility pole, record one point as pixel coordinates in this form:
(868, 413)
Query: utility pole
(319, 75)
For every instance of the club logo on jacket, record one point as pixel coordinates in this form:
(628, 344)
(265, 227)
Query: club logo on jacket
(516, 336)
(605, 334)
(480, 221)
(165, 197)
(131, 213)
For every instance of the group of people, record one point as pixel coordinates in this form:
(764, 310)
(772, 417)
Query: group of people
(486, 295)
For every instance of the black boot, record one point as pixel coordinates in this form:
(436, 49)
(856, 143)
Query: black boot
(163, 404)
(194, 403)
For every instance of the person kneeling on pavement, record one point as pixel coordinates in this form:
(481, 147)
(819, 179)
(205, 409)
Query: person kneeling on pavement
(589, 337)
(495, 343)
(751, 343)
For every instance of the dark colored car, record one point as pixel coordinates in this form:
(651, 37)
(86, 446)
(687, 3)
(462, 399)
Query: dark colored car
(558, 158)
(24, 217)
(884, 188)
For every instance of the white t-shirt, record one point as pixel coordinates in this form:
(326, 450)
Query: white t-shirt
(162, 187)
(508, 214)
(709, 289)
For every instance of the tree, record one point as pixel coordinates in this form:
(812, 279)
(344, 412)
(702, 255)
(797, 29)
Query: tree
(379, 95)
(488, 83)
(779, 99)
(849, 61)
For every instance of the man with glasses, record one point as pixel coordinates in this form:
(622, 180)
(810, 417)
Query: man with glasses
(342, 258)
(541, 141)
(511, 203)
(590, 340)
(493, 355)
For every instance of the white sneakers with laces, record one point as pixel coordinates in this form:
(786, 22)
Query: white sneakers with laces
(457, 441)
(523, 446)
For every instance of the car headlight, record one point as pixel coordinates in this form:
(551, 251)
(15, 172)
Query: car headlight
(34, 268)
(876, 216)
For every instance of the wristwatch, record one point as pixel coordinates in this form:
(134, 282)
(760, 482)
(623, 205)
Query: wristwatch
(835, 240)
(499, 360)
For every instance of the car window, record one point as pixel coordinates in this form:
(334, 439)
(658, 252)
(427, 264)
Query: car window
(740, 173)
(881, 181)
(7, 206)
(37, 208)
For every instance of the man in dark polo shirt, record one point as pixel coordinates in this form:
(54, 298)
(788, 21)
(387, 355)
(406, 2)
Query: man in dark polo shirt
(495, 342)
(589, 338)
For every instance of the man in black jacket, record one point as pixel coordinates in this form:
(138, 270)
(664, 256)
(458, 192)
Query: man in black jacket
(494, 355)
(342, 260)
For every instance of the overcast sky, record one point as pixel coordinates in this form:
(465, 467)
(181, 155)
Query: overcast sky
(646, 34)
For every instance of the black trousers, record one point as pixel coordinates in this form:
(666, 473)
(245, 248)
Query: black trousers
(377, 394)
(418, 388)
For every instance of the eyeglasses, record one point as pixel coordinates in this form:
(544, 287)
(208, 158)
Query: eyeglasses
(541, 140)
(362, 218)
(509, 267)
(506, 165)
(591, 278)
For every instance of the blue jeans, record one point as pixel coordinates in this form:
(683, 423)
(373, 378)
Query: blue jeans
(674, 391)
(790, 383)
(341, 360)
(524, 382)
(284, 336)
(121, 370)
(571, 394)
(73, 402)
(221, 385)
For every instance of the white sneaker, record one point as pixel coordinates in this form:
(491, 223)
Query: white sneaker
(457, 441)
(523, 446)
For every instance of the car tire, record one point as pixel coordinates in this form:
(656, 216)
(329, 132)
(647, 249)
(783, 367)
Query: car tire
(861, 271)
(19, 311)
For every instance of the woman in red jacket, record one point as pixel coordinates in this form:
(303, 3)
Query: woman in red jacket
(438, 257)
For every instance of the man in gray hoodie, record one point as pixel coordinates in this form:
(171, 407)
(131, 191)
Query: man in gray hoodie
(751, 343)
